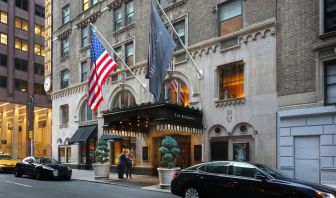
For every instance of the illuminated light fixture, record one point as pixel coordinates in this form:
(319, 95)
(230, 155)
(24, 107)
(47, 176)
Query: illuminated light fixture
(22, 107)
(23, 90)
(9, 111)
(9, 117)
(40, 110)
(43, 115)
(43, 120)
(4, 104)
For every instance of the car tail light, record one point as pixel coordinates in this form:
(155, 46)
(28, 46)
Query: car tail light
(176, 174)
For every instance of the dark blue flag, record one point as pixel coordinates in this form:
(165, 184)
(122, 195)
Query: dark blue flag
(161, 49)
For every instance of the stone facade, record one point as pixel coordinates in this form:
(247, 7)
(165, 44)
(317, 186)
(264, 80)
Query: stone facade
(305, 120)
(255, 47)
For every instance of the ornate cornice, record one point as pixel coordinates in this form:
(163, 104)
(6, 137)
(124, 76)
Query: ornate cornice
(69, 91)
(124, 29)
(115, 4)
(230, 102)
(65, 34)
(91, 19)
(246, 35)
(174, 5)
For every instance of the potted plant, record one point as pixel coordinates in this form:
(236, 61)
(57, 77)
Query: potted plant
(101, 168)
(169, 152)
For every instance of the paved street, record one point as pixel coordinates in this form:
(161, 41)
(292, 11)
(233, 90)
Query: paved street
(27, 187)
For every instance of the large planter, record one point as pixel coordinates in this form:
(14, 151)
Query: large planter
(101, 171)
(166, 176)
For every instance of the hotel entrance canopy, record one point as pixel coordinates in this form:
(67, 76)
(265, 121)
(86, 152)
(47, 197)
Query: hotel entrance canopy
(137, 121)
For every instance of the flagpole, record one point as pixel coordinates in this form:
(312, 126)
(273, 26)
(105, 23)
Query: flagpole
(200, 72)
(143, 86)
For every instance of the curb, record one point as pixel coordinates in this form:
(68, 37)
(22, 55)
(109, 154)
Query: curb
(122, 185)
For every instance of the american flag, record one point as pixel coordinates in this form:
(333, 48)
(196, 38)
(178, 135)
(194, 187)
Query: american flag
(102, 65)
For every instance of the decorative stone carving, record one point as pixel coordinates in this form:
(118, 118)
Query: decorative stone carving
(65, 34)
(230, 102)
(91, 19)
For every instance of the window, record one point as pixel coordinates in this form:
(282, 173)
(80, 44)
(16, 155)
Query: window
(21, 24)
(39, 49)
(84, 37)
(231, 81)
(86, 4)
(3, 60)
(68, 154)
(3, 38)
(175, 91)
(129, 13)
(84, 70)
(86, 113)
(118, 19)
(62, 154)
(64, 115)
(123, 100)
(39, 69)
(119, 53)
(21, 85)
(23, 4)
(21, 64)
(129, 54)
(39, 89)
(330, 83)
(3, 17)
(230, 17)
(21, 44)
(244, 170)
(329, 15)
(64, 78)
(64, 47)
(39, 10)
(66, 14)
(218, 167)
(198, 153)
(39, 30)
(180, 29)
(3, 81)
(166, 3)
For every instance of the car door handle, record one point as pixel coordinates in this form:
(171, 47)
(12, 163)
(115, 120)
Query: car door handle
(235, 182)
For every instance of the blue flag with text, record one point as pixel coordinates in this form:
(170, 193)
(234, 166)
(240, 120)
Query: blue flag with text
(161, 49)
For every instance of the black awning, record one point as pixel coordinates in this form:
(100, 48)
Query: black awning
(164, 116)
(110, 137)
(83, 133)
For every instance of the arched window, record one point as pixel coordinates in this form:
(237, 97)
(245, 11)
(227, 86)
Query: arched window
(175, 91)
(124, 99)
(86, 113)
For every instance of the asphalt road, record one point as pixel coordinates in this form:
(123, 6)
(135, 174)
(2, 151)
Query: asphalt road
(12, 187)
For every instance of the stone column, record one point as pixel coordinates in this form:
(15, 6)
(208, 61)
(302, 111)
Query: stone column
(24, 139)
(15, 133)
(48, 137)
(4, 130)
(35, 134)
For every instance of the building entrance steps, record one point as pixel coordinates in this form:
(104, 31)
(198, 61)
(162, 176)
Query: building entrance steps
(137, 181)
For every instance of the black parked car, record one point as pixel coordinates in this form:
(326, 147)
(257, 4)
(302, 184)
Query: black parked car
(240, 180)
(41, 167)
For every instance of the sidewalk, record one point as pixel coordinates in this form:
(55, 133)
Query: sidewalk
(138, 181)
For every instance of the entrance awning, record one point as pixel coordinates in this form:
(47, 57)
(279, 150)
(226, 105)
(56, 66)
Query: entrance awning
(83, 133)
(136, 121)
(110, 137)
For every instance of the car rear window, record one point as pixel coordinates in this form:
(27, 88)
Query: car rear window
(5, 157)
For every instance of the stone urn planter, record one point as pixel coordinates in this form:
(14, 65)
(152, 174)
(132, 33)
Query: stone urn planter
(102, 168)
(101, 171)
(166, 176)
(169, 151)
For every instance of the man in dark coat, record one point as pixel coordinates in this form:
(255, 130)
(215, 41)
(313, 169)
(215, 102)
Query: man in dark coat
(121, 165)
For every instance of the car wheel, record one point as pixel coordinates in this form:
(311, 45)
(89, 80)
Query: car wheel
(38, 174)
(192, 192)
(67, 178)
(17, 172)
